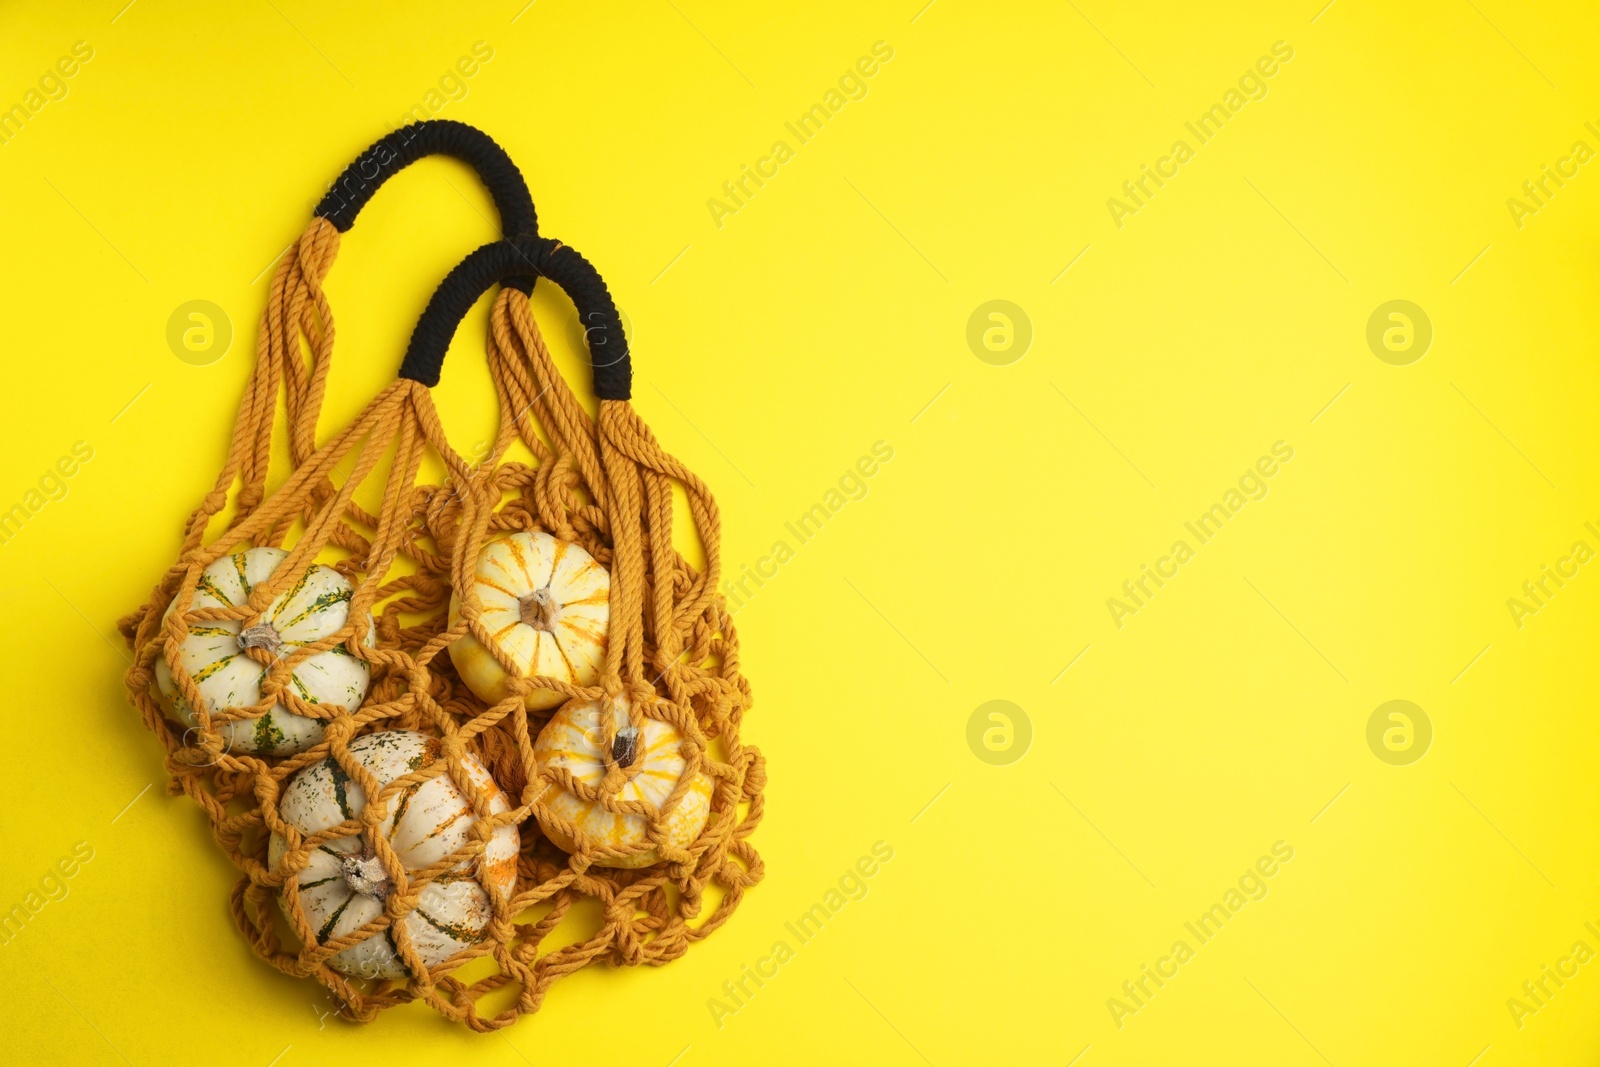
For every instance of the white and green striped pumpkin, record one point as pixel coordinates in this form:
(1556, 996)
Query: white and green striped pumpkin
(312, 608)
(344, 886)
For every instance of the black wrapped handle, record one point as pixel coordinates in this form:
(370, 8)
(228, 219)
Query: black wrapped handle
(503, 260)
(403, 147)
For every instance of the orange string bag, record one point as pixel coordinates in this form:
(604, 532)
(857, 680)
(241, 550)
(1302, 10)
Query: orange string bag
(371, 833)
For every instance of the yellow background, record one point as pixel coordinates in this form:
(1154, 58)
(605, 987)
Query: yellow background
(771, 353)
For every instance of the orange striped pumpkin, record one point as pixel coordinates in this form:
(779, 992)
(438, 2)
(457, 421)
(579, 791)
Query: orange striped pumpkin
(545, 602)
(573, 740)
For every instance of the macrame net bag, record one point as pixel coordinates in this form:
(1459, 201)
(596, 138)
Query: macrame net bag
(376, 585)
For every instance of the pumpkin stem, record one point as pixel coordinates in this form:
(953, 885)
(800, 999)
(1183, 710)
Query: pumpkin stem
(625, 749)
(539, 609)
(260, 636)
(363, 873)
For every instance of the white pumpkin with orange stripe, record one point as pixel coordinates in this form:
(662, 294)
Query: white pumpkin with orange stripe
(573, 740)
(545, 603)
(315, 606)
(344, 886)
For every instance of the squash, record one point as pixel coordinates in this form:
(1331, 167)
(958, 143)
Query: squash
(344, 885)
(574, 740)
(546, 603)
(214, 653)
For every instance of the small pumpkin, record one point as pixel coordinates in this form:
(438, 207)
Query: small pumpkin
(650, 757)
(344, 886)
(313, 608)
(546, 604)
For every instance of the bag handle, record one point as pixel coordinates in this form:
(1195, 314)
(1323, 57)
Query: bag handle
(402, 147)
(512, 258)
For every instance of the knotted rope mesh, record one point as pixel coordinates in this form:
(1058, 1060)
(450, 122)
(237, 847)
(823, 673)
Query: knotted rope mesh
(671, 655)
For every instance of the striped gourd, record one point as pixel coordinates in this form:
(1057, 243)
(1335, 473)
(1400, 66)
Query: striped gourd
(312, 608)
(344, 886)
(573, 740)
(545, 602)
